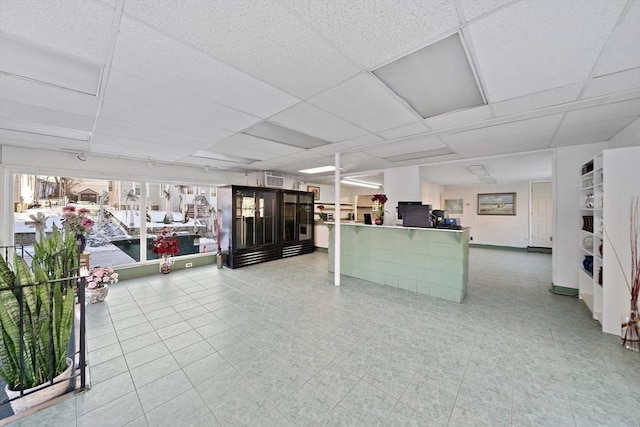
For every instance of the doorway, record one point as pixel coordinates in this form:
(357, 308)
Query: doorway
(541, 218)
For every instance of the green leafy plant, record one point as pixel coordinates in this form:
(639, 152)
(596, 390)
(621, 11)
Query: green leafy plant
(47, 312)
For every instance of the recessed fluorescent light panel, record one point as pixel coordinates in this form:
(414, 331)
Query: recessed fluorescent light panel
(44, 129)
(420, 155)
(33, 63)
(489, 180)
(320, 169)
(478, 170)
(434, 80)
(359, 184)
(224, 157)
(283, 135)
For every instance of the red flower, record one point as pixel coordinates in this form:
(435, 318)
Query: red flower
(380, 198)
(166, 244)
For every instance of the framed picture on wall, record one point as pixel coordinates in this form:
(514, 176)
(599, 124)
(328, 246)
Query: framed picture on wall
(497, 204)
(315, 191)
(453, 206)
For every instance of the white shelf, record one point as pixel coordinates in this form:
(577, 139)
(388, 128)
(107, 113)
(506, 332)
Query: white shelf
(616, 174)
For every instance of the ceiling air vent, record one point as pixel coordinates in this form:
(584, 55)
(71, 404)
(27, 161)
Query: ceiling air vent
(273, 179)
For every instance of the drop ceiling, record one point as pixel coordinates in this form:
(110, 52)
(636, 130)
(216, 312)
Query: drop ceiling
(188, 82)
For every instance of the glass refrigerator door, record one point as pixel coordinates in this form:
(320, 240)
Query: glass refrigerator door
(289, 218)
(245, 217)
(267, 214)
(305, 216)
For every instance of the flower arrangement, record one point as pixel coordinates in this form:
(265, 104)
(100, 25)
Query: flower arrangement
(322, 214)
(76, 221)
(98, 277)
(165, 243)
(378, 204)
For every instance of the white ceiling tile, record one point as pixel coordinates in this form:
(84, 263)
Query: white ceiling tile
(41, 95)
(232, 150)
(328, 149)
(306, 155)
(149, 134)
(263, 145)
(622, 51)
(284, 53)
(313, 121)
(583, 139)
(601, 113)
(457, 118)
(474, 8)
(531, 134)
(23, 139)
(358, 162)
(528, 47)
(145, 52)
(405, 146)
(76, 27)
(613, 83)
(604, 127)
(148, 118)
(403, 131)
(534, 101)
(427, 160)
(362, 141)
(32, 113)
(375, 32)
(363, 102)
(134, 91)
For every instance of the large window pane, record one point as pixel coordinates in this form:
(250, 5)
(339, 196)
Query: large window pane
(115, 208)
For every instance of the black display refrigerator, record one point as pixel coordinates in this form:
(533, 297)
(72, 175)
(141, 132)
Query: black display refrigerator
(262, 224)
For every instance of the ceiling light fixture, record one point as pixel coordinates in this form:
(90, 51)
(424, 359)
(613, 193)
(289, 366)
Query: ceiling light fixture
(222, 157)
(276, 133)
(82, 157)
(435, 79)
(44, 129)
(41, 65)
(320, 169)
(478, 170)
(359, 184)
(489, 180)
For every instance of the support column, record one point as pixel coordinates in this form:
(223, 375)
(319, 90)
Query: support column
(336, 218)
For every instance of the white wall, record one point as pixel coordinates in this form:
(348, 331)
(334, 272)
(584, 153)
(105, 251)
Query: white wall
(566, 187)
(493, 229)
(431, 193)
(627, 137)
(401, 184)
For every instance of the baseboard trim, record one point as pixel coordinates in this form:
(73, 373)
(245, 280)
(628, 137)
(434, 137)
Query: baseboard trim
(539, 249)
(502, 248)
(561, 290)
(318, 249)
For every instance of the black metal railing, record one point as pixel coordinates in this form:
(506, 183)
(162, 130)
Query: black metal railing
(74, 286)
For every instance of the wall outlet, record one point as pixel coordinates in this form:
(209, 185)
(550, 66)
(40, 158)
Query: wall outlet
(471, 238)
(188, 264)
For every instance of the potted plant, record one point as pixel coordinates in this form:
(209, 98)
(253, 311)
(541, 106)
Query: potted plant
(322, 214)
(77, 222)
(46, 323)
(166, 245)
(378, 207)
(97, 283)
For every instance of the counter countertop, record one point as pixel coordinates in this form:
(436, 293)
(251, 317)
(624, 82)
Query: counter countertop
(398, 227)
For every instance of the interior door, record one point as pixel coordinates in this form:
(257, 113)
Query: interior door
(541, 215)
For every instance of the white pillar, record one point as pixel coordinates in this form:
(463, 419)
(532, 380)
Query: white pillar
(336, 218)
(6, 207)
(143, 220)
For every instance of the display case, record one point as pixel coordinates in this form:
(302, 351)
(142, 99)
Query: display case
(263, 224)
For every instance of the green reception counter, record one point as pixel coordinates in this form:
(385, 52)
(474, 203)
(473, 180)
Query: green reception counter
(428, 261)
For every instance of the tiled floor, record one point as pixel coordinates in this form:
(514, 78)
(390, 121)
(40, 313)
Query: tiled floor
(277, 345)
